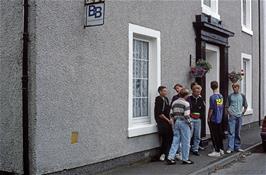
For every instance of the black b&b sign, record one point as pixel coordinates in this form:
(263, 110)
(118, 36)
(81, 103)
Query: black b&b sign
(94, 13)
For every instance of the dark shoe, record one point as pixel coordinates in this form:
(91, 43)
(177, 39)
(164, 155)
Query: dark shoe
(196, 153)
(185, 162)
(170, 162)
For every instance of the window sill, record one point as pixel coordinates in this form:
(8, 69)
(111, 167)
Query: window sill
(142, 130)
(247, 30)
(206, 10)
(248, 112)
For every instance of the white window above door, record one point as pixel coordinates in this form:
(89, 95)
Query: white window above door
(246, 16)
(210, 7)
(144, 79)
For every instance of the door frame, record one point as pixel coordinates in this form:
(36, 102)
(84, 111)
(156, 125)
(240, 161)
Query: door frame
(209, 30)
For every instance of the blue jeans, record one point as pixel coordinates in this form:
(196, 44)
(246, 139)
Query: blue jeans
(234, 123)
(182, 134)
(196, 132)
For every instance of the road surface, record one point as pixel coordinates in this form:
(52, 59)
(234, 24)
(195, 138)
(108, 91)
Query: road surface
(254, 164)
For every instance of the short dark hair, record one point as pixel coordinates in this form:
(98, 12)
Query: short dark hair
(179, 85)
(160, 88)
(193, 84)
(184, 92)
(196, 86)
(214, 85)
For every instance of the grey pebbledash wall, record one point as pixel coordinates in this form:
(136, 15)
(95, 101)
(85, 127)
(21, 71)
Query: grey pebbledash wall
(82, 77)
(11, 21)
(79, 77)
(264, 51)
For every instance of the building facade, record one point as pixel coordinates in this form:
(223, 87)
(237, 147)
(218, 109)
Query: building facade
(92, 90)
(264, 57)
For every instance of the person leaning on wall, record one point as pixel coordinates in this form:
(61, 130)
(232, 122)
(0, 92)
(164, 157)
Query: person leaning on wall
(161, 112)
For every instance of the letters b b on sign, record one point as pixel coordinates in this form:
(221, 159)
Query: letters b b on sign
(94, 13)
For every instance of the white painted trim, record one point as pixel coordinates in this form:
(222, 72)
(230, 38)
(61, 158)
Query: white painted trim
(212, 11)
(144, 125)
(247, 28)
(142, 130)
(249, 86)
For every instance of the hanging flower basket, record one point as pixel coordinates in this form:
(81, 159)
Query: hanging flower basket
(234, 77)
(201, 68)
(197, 72)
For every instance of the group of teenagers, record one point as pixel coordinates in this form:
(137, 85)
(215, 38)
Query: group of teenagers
(179, 121)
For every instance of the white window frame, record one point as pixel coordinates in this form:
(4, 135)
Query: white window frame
(248, 76)
(213, 10)
(248, 27)
(142, 126)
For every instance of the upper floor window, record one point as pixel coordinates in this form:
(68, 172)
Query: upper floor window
(210, 7)
(246, 16)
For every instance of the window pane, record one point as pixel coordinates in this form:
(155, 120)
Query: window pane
(207, 2)
(144, 87)
(145, 48)
(136, 69)
(144, 107)
(144, 69)
(136, 107)
(245, 12)
(137, 88)
(134, 49)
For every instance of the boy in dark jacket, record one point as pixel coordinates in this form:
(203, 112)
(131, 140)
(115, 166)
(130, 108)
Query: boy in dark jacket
(161, 112)
(197, 113)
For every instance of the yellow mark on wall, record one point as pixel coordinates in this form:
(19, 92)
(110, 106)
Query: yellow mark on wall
(74, 137)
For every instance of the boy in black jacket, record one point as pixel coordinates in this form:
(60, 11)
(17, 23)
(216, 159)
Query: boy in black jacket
(197, 113)
(161, 112)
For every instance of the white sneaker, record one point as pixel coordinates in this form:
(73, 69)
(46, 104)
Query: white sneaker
(222, 152)
(201, 148)
(162, 157)
(178, 156)
(228, 151)
(215, 154)
(240, 150)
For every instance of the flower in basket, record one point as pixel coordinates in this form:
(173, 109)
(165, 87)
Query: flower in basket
(235, 76)
(201, 68)
(204, 64)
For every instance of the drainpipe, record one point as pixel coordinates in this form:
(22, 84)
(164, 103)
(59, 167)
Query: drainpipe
(259, 5)
(25, 115)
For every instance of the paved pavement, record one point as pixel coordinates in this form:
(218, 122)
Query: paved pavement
(254, 164)
(250, 137)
